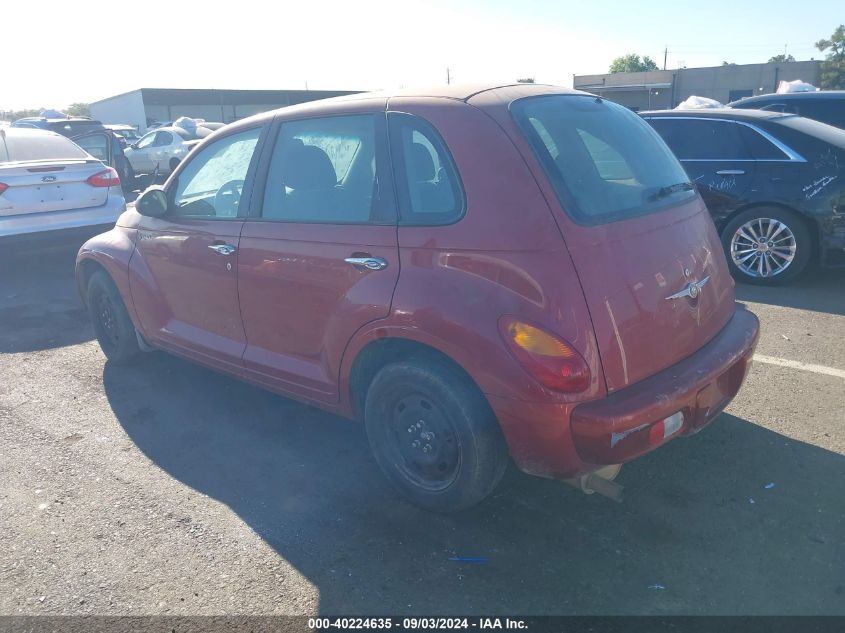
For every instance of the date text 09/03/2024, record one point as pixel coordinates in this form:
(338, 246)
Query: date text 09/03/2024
(413, 624)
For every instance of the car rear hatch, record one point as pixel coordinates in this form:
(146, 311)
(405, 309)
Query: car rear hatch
(644, 246)
(41, 171)
(38, 187)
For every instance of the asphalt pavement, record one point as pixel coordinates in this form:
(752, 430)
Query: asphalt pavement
(165, 488)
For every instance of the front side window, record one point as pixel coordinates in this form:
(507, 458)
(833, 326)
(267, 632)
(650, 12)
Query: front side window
(97, 145)
(211, 184)
(429, 189)
(163, 139)
(603, 160)
(146, 141)
(324, 171)
(702, 139)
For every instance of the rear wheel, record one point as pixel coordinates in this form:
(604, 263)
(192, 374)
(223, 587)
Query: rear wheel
(434, 435)
(174, 162)
(766, 246)
(112, 325)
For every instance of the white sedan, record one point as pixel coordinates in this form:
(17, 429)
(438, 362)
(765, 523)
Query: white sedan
(161, 149)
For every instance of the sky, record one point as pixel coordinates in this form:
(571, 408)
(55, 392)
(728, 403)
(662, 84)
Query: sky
(89, 52)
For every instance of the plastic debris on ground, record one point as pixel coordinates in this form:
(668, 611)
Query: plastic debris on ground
(751, 500)
(795, 86)
(698, 103)
(659, 587)
(769, 486)
(468, 559)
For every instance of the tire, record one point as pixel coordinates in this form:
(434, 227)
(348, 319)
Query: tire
(112, 325)
(174, 163)
(421, 403)
(744, 256)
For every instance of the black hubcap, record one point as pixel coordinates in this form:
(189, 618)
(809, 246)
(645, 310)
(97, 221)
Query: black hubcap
(108, 324)
(425, 442)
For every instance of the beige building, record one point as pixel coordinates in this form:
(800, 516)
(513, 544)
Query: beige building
(661, 89)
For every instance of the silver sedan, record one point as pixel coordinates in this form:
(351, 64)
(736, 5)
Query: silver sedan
(51, 187)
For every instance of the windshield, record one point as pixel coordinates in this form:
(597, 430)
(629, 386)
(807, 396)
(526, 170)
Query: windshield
(604, 161)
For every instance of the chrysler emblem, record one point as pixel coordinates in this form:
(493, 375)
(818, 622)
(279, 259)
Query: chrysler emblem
(692, 290)
(48, 179)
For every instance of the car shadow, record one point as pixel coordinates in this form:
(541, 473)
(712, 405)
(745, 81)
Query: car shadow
(819, 290)
(40, 306)
(701, 530)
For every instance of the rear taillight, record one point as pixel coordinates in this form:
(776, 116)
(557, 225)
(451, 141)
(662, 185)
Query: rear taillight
(550, 359)
(106, 178)
(3, 187)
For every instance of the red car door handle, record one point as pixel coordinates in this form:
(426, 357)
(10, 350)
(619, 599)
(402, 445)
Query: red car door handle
(222, 249)
(370, 263)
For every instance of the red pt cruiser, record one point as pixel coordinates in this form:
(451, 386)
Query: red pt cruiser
(479, 274)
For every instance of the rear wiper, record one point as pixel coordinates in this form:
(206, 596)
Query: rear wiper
(664, 192)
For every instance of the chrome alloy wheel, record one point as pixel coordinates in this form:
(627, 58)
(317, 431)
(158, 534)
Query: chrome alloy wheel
(763, 247)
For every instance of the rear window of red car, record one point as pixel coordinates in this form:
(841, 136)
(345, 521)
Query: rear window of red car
(604, 161)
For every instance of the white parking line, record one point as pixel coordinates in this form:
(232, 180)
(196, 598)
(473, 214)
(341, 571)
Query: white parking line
(795, 364)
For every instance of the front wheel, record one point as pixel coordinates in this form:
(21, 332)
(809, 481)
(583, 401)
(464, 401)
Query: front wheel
(112, 325)
(766, 246)
(434, 435)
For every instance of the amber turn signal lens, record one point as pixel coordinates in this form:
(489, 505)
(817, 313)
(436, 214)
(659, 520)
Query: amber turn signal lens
(535, 341)
(548, 358)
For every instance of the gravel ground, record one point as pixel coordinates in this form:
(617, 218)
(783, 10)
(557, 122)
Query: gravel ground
(165, 488)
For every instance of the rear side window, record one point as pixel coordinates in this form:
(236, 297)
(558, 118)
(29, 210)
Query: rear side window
(427, 182)
(702, 139)
(324, 170)
(45, 146)
(604, 161)
(759, 146)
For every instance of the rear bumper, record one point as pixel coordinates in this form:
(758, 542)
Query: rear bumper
(27, 225)
(565, 441)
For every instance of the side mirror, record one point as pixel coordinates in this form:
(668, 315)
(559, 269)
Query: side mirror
(153, 202)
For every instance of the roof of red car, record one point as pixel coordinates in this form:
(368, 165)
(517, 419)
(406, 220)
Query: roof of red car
(462, 92)
(481, 94)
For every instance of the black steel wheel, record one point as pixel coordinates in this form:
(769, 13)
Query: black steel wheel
(434, 435)
(112, 325)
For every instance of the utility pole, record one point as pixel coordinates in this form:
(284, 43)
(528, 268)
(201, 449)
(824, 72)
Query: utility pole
(665, 53)
(448, 76)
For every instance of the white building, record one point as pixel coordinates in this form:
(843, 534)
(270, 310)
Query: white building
(142, 107)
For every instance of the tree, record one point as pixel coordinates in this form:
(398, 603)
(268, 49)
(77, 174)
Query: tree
(728, 64)
(79, 109)
(779, 59)
(632, 64)
(525, 80)
(833, 68)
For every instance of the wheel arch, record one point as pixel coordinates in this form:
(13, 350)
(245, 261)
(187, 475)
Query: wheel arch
(379, 352)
